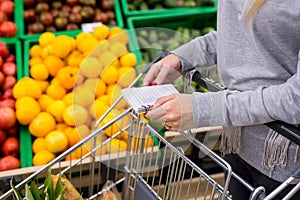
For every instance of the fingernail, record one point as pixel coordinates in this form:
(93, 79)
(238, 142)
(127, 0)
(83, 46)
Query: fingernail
(150, 107)
(154, 83)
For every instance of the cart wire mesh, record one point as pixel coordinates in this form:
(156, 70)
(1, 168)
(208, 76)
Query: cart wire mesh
(146, 167)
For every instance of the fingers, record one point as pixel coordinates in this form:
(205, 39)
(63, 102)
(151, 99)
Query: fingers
(152, 74)
(163, 100)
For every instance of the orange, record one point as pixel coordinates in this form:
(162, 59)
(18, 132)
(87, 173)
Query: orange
(98, 108)
(39, 144)
(75, 58)
(46, 38)
(47, 51)
(102, 46)
(116, 146)
(61, 126)
(62, 46)
(39, 72)
(42, 124)
(104, 99)
(56, 141)
(118, 48)
(126, 76)
(101, 32)
(43, 85)
(128, 60)
(87, 44)
(75, 134)
(83, 95)
(91, 83)
(100, 89)
(68, 98)
(117, 34)
(27, 86)
(44, 101)
(91, 67)
(53, 64)
(56, 91)
(42, 157)
(35, 60)
(113, 94)
(66, 76)
(107, 58)
(56, 109)
(110, 75)
(114, 128)
(75, 115)
(35, 51)
(27, 108)
(54, 81)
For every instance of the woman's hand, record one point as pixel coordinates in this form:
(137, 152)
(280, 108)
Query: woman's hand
(164, 71)
(174, 112)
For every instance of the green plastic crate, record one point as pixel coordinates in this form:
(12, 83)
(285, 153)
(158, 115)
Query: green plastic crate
(167, 11)
(25, 139)
(169, 24)
(30, 41)
(24, 36)
(17, 21)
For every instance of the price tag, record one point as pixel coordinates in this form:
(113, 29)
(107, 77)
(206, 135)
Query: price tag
(89, 27)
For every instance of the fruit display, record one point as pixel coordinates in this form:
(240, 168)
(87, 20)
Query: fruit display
(70, 81)
(40, 16)
(8, 27)
(9, 130)
(165, 4)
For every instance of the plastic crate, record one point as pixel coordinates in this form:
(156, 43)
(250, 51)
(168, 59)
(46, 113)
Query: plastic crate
(128, 13)
(23, 35)
(34, 40)
(169, 24)
(17, 21)
(25, 139)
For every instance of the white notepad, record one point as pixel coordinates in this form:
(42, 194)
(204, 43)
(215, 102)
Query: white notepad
(146, 96)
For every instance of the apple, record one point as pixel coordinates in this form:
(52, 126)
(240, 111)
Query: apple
(7, 118)
(7, 7)
(1, 62)
(2, 136)
(8, 94)
(4, 52)
(9, 68)
(2, 78)
(8, 103)
(9, 82)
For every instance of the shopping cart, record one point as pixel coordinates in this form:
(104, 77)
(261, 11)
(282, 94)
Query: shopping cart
(150, 167)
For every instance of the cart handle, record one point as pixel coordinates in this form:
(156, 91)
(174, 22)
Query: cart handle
(287, 130)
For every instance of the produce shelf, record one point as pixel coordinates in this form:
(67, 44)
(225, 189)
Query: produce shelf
(29, 42)
(202, 9)
(24, 36)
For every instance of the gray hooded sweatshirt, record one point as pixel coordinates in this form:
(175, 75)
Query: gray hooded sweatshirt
(260, 60)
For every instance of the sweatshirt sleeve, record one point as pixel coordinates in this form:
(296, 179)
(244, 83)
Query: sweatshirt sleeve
(262, 105)
(201, 51)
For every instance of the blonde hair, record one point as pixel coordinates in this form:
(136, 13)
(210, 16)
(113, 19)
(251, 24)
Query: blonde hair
(256, 4)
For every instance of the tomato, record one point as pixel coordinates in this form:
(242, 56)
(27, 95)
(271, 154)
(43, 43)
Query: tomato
(8, 29)
(11, 146)
(7, 7)
(3, 16)
(7, 118)
(9, 162)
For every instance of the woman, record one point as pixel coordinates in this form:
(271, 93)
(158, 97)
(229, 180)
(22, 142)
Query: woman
(256, 49)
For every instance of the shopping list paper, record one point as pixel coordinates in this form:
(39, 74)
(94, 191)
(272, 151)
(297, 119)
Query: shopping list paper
(146, 96)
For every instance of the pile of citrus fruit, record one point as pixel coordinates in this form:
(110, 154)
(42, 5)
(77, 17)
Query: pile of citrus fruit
(72, 81)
